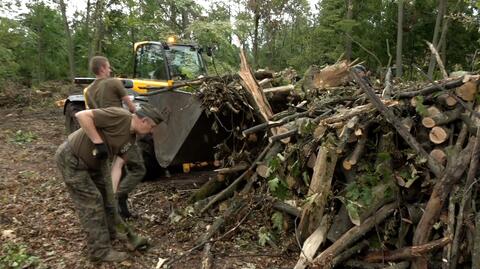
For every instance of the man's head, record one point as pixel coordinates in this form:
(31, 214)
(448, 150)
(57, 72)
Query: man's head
(361, 70)
(147, 117)
(100, 66)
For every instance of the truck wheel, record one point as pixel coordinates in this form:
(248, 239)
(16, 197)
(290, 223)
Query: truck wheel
(71, 123)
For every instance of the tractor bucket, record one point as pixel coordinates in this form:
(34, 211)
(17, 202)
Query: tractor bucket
(182, 137)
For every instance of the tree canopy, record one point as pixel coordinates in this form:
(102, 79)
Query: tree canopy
(34, 39)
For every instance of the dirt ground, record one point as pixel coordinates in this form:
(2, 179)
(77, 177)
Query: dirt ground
(37, 218)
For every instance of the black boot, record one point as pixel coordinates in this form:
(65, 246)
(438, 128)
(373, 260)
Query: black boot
(123, 207)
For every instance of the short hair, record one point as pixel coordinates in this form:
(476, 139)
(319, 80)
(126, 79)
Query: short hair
(148, 111)
(360, 68)
(96, 63)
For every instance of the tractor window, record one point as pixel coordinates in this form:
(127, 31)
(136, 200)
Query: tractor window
(150, 62)
(184, 62)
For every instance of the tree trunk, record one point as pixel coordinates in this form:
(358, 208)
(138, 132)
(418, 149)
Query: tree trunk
(442, 4)
(86, 29)
(348, 41)
(324, 259)
(71, 59)
(256, 19)
(98, 32)
(398, 63)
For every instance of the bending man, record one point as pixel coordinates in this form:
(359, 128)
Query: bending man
(83, 160)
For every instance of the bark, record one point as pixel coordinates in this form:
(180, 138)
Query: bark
(436, 32)
(349, 253)
(229, 170)
(357, 153)
(449, 232)
(71, 52)
(323, 260)
(99, 29)
(227, 192)
(256, 21)
(280, 89)
(446, 100)
(258, 97)
(207, 259)
(387, 91)
(476, 247)
(271, 124)
(312, 213)
(214, 185)
(434, 87)
(434, 166)
(442, 117)
(398, 62)
(313, 242)
(87, 31)
(438, 59)
(286, 208)
(348, 41)
(441, 190)
(406, 253)
(472, 171)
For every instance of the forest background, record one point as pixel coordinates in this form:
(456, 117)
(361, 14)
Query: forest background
(40, 41)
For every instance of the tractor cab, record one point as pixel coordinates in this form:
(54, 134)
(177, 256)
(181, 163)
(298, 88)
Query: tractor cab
(159, 64)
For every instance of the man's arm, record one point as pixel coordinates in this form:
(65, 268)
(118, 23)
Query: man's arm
(129, 103)
(85, 119)
(117, 166)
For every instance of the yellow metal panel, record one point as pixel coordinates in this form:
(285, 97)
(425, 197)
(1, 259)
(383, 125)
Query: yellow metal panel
(141, 85)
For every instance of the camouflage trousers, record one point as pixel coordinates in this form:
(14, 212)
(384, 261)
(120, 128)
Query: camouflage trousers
(134, 171)
(91, 197)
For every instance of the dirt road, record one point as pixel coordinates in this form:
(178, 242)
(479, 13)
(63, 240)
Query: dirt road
(38, 224)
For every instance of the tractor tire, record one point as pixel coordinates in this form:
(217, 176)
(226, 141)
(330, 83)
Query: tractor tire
(71, 123)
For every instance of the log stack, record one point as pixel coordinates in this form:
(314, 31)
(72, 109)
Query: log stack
(367, 181)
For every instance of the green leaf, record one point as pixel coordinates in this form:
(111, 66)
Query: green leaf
(263, 236)
(273, 184)
(353, 213)
(277, 219)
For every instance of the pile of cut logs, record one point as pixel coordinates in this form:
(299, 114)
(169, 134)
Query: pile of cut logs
(374, 177)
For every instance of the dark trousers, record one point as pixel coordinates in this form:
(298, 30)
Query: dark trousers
(135, 171)
(89, 194)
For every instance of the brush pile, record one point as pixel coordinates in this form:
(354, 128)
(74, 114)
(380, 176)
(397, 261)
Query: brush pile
(360, 176)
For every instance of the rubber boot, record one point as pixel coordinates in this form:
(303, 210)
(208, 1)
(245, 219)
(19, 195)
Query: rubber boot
(137, 242)
(111, 256)
(124, 232)
(123, 207)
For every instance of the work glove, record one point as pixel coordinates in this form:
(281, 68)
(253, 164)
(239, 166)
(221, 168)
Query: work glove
(100, 152)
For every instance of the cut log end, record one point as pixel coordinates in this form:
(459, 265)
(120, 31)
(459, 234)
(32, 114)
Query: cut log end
(428, 122)
(438, 135)
(439, 155)
(447, 100)
(347, 165)
(467, 91)
(433, 110)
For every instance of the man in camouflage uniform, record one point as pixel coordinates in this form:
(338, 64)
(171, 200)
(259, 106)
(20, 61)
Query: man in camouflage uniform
(109, 92)
(105, 136)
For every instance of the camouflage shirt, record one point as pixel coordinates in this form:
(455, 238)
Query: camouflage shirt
(113, 124)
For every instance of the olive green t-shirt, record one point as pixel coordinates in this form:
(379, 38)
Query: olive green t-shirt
(106, 92)
(113, 125)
